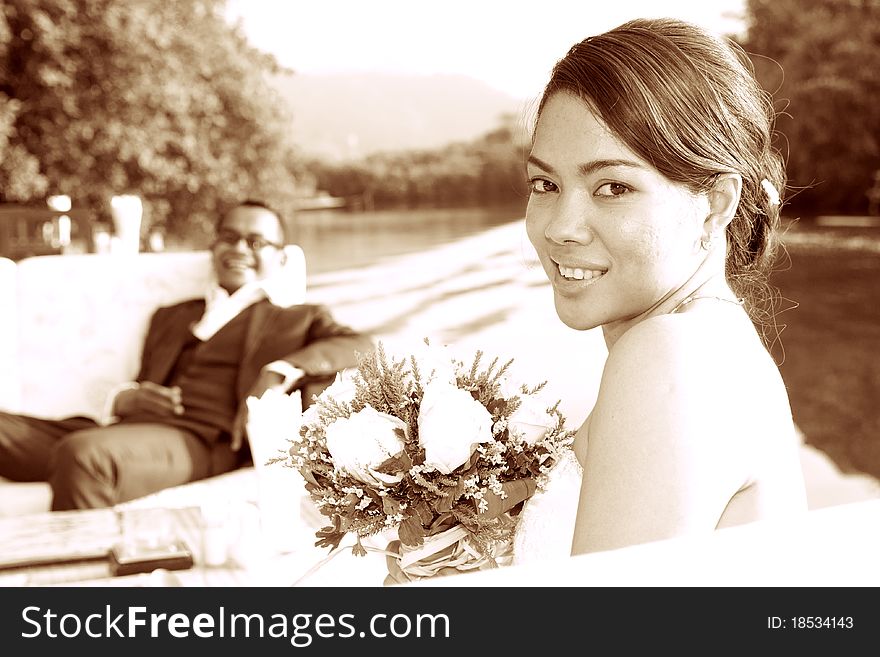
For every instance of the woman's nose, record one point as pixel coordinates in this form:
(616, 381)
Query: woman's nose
(569, 222)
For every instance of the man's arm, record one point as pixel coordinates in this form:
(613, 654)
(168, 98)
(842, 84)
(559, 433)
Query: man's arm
(327, 348)
(120, 399)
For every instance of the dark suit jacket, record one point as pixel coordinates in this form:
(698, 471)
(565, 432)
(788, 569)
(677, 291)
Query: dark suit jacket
(305, 335)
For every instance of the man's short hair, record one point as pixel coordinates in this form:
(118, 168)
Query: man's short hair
(255, 203)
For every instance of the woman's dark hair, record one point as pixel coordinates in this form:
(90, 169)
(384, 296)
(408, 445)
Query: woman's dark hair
(688, 102)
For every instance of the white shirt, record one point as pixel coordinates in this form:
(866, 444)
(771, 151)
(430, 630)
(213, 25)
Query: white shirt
(221, 307)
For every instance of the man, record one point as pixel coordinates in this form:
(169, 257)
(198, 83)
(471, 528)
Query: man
(184, 417)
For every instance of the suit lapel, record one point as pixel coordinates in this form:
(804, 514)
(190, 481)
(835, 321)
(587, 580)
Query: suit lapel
(264, 314)
(176, 332)
(262, 317)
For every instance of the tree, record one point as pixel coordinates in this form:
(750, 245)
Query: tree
(821, 60)
(155, 98)
(489, 170)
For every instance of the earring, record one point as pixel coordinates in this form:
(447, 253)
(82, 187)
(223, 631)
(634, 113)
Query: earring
(707, 241)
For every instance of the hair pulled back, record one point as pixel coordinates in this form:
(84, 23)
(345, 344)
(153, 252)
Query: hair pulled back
(687, 101)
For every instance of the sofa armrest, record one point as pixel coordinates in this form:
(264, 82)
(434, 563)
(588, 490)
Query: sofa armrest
(10, 382)
(295, 270)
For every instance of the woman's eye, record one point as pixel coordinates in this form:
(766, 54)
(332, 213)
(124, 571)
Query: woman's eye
(542, 186)
(612, 189)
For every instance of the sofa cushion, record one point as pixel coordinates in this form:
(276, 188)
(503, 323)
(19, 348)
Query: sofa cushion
(17, 498)
(83, 320)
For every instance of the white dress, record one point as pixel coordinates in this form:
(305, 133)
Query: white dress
(546, 525)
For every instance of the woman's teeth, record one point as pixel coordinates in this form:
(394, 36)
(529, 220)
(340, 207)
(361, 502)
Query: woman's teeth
(578, 274)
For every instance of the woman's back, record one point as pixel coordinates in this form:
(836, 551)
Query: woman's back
(758, 422)
(692, 416)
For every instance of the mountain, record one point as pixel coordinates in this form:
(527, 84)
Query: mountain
(347, 116)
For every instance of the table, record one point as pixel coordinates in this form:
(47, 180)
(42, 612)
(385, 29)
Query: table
(70, 547)
(250, 504)
(836, 546)
(85, 537)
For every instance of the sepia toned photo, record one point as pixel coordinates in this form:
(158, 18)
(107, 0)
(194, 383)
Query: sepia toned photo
(429, 295)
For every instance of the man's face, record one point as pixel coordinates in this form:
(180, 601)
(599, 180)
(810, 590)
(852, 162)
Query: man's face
(249, 247)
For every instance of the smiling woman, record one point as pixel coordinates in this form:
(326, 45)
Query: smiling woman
(650, 213)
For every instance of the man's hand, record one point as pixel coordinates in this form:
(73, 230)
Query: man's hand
(267, 379)
(149, 397)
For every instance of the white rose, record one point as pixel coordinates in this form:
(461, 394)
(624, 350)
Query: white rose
(531, 421)
(451, 424)
(343, 388)
(310, 416)
(436, 363)
(508, 388)
(362, 442)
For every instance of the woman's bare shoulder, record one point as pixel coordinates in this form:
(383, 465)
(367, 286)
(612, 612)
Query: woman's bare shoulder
(664, 390)
(684, 349)
(652, 351)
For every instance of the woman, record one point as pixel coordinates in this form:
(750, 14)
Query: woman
(653, 209)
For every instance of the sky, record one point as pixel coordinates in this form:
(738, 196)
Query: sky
(509, 44)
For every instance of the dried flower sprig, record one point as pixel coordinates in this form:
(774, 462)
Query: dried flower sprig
(423, 442)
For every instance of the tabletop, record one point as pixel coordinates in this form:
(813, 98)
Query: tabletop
(71, 549)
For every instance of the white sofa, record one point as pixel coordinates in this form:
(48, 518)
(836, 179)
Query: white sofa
(71, 327)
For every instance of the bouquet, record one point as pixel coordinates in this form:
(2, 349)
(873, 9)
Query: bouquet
(443, 451)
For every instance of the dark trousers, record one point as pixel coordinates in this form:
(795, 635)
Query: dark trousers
(90, 466)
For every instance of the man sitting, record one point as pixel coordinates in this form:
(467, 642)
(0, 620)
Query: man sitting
(184, 417)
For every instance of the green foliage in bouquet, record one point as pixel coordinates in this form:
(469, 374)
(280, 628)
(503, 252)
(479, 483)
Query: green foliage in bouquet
(425, 442)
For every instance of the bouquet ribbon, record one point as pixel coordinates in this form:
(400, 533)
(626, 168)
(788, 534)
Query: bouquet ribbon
(444, 553)
(433, 545)
(515, 491)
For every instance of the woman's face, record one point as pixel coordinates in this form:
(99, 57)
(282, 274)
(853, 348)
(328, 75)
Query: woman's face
(615, 237)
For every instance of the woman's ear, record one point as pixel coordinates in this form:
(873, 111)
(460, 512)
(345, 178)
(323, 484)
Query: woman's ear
(723, 202)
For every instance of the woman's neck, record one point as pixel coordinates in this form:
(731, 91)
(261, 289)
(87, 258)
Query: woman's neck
(707, 280)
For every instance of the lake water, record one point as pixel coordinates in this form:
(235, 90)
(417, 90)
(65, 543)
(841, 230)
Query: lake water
(337, 239)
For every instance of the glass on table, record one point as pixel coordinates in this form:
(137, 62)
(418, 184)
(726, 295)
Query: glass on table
(147, 528)
(215, 516)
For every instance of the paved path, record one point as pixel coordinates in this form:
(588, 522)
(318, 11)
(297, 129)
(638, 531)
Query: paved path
(488, 292)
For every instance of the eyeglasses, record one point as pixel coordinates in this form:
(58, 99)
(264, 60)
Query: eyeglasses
(254, 242)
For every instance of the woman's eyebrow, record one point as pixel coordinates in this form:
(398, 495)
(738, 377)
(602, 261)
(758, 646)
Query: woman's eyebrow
(587, 168)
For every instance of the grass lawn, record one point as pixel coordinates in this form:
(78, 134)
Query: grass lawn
(831, 340)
